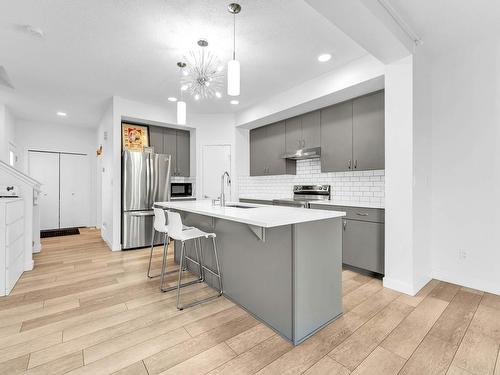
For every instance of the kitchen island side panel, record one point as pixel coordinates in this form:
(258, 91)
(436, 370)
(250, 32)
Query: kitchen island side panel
(257, 275)
(317, 283)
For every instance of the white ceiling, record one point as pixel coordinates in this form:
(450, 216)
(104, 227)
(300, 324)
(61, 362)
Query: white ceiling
(447, 24)
(93, 49)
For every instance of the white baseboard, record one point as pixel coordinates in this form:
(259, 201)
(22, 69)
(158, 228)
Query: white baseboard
(28, 266)
(37, 247)
(469, 282)
(403, 287)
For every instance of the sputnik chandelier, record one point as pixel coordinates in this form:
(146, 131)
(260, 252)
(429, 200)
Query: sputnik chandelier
(203, 75)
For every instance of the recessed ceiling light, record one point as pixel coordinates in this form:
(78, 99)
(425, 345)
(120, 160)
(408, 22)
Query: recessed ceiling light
(234, 102)
(324, 57)
(218, 94)
(184, 87)
(172, 99)
(197, 97)
(62, 114)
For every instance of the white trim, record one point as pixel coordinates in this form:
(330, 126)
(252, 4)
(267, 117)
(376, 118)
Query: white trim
(20, 175)
(398, 286)
(469, 282)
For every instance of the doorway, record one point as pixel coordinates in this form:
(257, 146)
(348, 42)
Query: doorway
(65, 178)
(216, 160)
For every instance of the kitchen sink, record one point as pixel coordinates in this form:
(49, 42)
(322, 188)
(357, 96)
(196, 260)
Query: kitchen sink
(239, 206)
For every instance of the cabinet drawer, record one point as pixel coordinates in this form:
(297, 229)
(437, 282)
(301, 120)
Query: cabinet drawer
(15, 211)
(363, 245)
(14, 251)
(14, 231)
(376, 215)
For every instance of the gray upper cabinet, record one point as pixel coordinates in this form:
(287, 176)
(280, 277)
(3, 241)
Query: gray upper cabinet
(267, 146)
(156, 139)
(352, 135)
(303, 131)
(368, 132)
(174, 142)
(258, 164)
(293, 134)
(170, 147)
(183, 150)
(336, 138)
(311, 129)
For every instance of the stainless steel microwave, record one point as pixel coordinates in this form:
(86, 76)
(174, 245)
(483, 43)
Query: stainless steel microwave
(181, 189)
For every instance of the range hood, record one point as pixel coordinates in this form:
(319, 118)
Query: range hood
(304, 153)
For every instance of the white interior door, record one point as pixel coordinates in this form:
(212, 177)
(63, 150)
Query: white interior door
(44, 167)
(216, 160)
(75, 190)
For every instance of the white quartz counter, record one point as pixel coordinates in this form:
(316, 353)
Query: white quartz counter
(260, 215)
(332, 202)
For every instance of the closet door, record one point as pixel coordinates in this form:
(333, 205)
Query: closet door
(75, 190)
(44, 167)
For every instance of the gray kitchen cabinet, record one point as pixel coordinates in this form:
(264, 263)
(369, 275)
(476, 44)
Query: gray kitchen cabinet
(170, 147)
(336, 138)
(293, 134)
(183, 151)
(311, 129)
(368, 132)
(303, 131)
(363, 237)
(156, 139)
(258, 163)
(363, 245)
(174, 142)
(267, 146)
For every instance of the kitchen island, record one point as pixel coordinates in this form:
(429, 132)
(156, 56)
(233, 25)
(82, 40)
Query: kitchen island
(282, 264)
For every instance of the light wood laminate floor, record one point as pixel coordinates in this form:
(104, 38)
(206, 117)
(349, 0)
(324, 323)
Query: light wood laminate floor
(87, 310)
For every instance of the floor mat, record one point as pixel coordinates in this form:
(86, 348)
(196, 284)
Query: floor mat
(59, 232)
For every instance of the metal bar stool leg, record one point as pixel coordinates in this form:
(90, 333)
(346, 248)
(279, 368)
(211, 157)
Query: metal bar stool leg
(200, 268)
(151, 254)
(217, 265)
(180, 277)
(201, 260)
(164, 260)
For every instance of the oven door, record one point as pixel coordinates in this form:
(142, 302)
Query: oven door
(181, 189)
(290, 203)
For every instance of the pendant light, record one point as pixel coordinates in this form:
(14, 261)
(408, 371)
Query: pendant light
(181, 104)
(233, 66)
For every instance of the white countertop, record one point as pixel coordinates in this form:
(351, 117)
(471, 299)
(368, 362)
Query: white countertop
(332, 202)
(260, 215)
(9, 200)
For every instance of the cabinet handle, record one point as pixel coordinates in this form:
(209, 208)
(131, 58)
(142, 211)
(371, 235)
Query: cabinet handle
(303, 143)
(349, 164)
(345, 224)
(355, 163)
(361, 214)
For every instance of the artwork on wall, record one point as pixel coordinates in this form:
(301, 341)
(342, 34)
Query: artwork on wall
(134, 137)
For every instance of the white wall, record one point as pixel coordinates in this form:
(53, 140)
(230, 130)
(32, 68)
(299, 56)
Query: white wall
(59, 138)
(466, 165)
(7, 132)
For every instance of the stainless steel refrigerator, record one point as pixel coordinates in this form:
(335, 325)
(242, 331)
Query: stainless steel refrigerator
(145, 180)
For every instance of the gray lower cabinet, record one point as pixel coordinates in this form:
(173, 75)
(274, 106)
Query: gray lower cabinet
(255, 201)
(363, 239)
(174, 142)
(267, 146)
(363, 245)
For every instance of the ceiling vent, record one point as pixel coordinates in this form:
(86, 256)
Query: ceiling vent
(4, 78)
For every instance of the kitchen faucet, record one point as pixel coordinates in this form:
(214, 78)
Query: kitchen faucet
(222, 195)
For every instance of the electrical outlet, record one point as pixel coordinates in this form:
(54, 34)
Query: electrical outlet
(462, 254)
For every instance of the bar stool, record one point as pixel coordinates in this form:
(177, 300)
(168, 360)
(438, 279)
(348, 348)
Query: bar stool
(176, 232)
(159, 225)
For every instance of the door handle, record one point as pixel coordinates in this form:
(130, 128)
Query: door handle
(345, 224)
(361, 214)
(349, 164)
(356, 164)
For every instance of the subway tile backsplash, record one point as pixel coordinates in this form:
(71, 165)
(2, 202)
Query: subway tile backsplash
(364, 188)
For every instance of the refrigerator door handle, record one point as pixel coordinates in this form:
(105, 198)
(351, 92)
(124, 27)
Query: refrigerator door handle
(142, 213)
